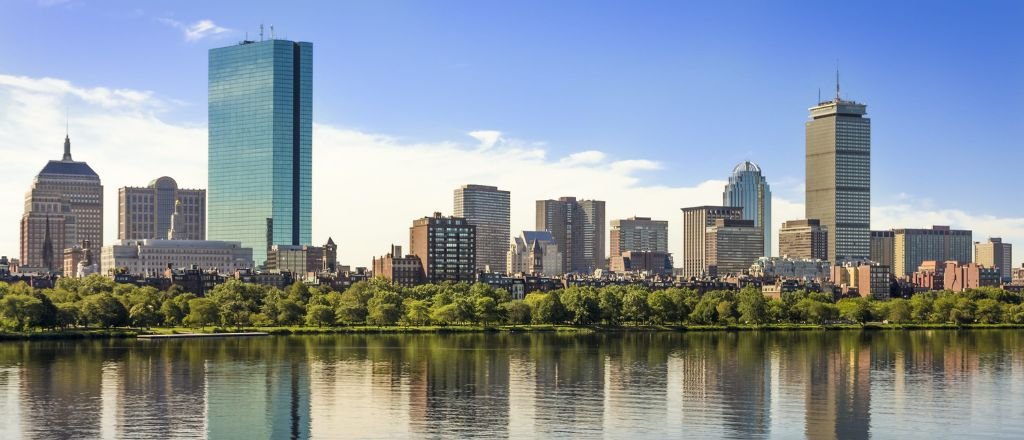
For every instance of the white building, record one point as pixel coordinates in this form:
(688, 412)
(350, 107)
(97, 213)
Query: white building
(791, 268)
(153, 257)
(535, 252)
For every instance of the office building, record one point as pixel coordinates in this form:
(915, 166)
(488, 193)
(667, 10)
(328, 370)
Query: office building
(487, 208)
(535, 253)
(911, 247)
(146, 212)
(261, 144)
(748, 189)
(883, 247)
(154, 257)
(446, 248)
(732, 246)
(301, 260)
(63, 209)
(696, 221)
(994, 253)
(638, 234)
(803, 239)
(838, 176)
(650, 262)
(403, 270)
(578, 228)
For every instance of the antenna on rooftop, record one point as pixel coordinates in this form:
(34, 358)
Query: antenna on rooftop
(271, 32)
(261, 31)
(837, 80)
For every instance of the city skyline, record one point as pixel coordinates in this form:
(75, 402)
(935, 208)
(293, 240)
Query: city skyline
(630, 183)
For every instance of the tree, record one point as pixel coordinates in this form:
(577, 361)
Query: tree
(610, 302)
(662, 306)
(445, 314)
(752, 306)
(202, 312)
(855, 309)
(634, 305)
(67, 315)
(383, 308)
(516, 312)
(350, 310)
(417, 311)
(545, 307)
(105, 310)
(319, 315)
(582, 304)
(989, 311)
(486, 310)
(726, 312)
(898, 311)
(18, 310)
(144, 315)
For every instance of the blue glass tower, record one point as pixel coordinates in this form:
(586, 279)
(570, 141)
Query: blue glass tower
(748, 189)
(261, 144)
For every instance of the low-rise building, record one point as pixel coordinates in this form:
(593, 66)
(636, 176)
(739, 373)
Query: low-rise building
(401, 270)
(302, 260)
(650, 262)
(929, 276)
(153, 257)
(535, 253)
(863, 278)
(791, 268)
(959, 277)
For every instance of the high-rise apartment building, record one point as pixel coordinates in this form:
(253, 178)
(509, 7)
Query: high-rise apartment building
(838, 179)
(261, 144)
(732, 246)
(696, 221)
(446, 247)
(911, 247)
(882, 247)
(638, 234)
(995, 253)
(63, 209)
(487, 208)
(578, 228)
(748, 189)
(144, 213)
(803, 239)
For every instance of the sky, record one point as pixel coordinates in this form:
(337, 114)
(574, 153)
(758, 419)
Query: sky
(646, 105)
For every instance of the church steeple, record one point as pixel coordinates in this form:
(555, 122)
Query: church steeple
(67, 148)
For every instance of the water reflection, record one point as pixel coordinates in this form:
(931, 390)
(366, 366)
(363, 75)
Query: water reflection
(820, 385)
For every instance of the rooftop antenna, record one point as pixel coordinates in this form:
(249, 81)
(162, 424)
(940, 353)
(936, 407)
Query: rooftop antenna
(837, 80)
(261, 31)
(819, 94)
(271, 32)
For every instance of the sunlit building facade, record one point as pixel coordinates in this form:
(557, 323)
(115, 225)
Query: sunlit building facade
(747, 188)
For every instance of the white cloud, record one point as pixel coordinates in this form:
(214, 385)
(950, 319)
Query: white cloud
(198, 30)
(367, 187)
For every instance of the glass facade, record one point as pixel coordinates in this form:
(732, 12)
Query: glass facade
(749, 190)
(261, 144)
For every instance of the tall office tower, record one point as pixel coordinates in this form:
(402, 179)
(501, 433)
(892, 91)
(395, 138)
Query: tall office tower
(578, 228)
(638, 234)
(748, 189)
(911, 247)
(882, 247)
(732, 246)
(446, 247)
(805, 239)
(63, 209)
(696, 221)
(838, 187)
(260, 144)
(144, 213)
(995, 253)
(487, 208)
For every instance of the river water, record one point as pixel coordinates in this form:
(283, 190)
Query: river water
(809, 384)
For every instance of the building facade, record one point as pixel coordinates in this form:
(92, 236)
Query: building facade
(154, 257)
(804, 239)
(911, 247)
(403, 270)
(651, 262)
(995, 253)
(883, 247)
(748, 189)
(959, 277)
(732, 246)
(144, 213)
(487, 208)
(864, 278)
(696, 221)
(301, 260)
(838, 176)
(63, 209)
(535, 253)
(638, 234)
(578, 228)
(791, 268)
(260, 144)
(446, 248)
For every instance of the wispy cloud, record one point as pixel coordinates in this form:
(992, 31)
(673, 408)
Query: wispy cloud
(198, 30)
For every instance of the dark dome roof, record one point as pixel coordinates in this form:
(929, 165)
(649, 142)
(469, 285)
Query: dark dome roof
(68, 168)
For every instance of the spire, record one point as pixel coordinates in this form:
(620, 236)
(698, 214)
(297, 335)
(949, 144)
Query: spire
(837, 81)
(67, 148)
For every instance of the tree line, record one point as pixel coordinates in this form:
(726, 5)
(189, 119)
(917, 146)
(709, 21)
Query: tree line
(96, 301)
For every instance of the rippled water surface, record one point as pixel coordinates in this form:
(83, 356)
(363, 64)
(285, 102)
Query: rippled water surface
(841, 385)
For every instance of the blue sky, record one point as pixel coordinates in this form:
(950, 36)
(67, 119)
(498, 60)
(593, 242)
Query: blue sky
(697, 87)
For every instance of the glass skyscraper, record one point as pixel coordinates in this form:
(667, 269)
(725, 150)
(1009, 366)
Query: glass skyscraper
(261, 144)
(749, 190)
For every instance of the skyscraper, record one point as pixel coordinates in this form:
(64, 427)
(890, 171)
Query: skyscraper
(995, 253)
(805, 239)
(487, 208)
(260, 144)
(446, 247)
(578, 228)
(696, 221)
(748, 189)
(63, 209)
(144, 213)
(638, 234)
(838, 164)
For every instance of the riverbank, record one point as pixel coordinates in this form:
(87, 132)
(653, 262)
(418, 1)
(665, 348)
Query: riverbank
(94, 333)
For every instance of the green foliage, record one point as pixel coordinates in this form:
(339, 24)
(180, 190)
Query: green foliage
(104, 310)
(319, 315)
(545, 308)
(202, 312)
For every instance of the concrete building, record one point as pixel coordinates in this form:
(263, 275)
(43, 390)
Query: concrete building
(487, 208)
(301, 260)
(260, 162)
(996, 254)
(803, 239)
(403, 270)
(791, 268)
(748, 189)
(838, 176)
(883, 247)
(146, 212)
(911, 247)
(535, 253)
(732, 246)
(578, 228)
(63, 209)
(80, 261)
(958, 277)
(651, 262)
(638, 234)
(446, 247)
(864, 278)
(154, 257)
(696, 221)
